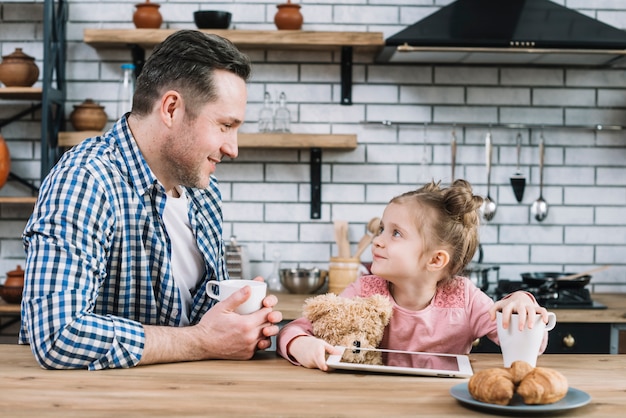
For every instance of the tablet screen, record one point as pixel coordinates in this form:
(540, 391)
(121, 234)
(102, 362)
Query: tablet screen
(406, 359)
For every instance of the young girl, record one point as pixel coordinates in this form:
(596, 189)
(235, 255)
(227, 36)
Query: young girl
(426, 239)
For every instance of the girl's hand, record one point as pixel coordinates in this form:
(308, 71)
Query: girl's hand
(310, 352)
(521, 303)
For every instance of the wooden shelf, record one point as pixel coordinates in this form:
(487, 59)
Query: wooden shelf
(20, 93)
(249, 140)
(253, 39)
(18, 199)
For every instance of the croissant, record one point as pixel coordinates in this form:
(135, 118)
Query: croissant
(543, 386)
(492, 386)
(519, 369)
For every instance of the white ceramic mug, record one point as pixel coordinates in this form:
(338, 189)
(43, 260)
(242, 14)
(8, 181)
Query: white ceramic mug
(228, 287)
(522, 345)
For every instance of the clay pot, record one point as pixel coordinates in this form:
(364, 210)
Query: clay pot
(5, 161)
(88, 116)
(147, 16)
(15, 277)
(18, 69)
(288, 16)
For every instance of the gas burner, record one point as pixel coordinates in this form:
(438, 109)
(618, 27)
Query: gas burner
(574, 298)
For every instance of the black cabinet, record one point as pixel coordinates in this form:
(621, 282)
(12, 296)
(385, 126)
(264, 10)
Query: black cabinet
(566, 338)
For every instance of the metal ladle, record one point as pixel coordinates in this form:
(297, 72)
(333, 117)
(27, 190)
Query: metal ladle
(489, 206)
(539, 208)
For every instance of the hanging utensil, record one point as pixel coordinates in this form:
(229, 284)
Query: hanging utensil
(518, 181)
(584, 273)
(341, 238)
(453, 156)
(366, 240)
(539, 208)
(489, 205)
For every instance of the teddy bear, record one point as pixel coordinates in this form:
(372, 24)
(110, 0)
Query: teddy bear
(353, 323)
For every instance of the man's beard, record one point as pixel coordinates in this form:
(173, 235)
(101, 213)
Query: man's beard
(182, 163)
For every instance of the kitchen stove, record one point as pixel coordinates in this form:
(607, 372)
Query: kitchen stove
(571, 298)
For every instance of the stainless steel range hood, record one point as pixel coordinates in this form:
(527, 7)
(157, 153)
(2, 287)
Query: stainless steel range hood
(507, 32)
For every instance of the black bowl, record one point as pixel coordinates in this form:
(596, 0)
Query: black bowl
(212, 19)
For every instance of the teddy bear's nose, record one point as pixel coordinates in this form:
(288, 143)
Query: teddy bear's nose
(357, 345)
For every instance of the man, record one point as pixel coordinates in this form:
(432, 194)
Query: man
(128, 226)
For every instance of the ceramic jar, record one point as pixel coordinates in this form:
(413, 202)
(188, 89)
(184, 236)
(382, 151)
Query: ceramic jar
(288, 16)
(18, 69)
(5, 161)
(147, 16)
(88, 116)
(15, 277)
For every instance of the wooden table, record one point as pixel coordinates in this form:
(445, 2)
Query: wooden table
(270, 386)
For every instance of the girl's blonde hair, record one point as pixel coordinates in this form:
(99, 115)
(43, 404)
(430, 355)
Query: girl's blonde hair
(452, 220)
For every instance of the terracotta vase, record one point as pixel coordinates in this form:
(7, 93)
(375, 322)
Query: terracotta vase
(88, 116)
(15, 277)
(5, 161)
(288, 16)
(147, 16)
(18, 69)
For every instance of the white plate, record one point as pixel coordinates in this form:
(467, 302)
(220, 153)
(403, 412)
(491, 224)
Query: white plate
(573, 399)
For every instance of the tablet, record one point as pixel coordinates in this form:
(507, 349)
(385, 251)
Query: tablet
(401, 362)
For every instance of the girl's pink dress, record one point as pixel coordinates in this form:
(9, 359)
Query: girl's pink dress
(456, 316)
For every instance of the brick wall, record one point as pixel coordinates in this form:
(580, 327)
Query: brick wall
(266, 192)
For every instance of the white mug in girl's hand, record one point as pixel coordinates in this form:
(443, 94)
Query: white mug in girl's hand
(228, 287)
(522, 345)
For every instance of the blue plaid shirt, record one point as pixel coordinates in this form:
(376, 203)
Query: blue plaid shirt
(98, 257)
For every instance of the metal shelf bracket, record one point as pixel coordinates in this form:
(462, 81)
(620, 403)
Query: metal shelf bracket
(346, 75)
(316, 183)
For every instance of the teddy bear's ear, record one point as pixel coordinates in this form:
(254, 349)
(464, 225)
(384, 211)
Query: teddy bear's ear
(315, 308)
(383, 307)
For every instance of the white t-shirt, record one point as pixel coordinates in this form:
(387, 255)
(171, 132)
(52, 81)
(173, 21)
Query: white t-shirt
(187, 261)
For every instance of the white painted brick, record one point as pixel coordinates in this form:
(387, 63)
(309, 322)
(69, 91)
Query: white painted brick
(556, 97)
(595, 78)
(324, 73)
(532, 116)
(240, 172)
(466, 75)
(270, 192)
(365, 14)
(395, 154)
(561, 254)
(332, 112)
(374, 173)
(505, 254)
(530, 234)
(343, 193)
(498, 96)
(426, 94)
(399, 113)
(375, 94)
(570, 215)
(291, 212)
(611, 98)
(266, 231)
(611, 255)
(274, 72)
(610, 215)
(592, 117)
(395, 74)
(595, 235)
(531, 77)
(595, 195)
(460, 115)
(596, 156)
(242, 212)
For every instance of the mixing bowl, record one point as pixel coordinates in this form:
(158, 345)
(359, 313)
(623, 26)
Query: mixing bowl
(212, 19)
(303, 281)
